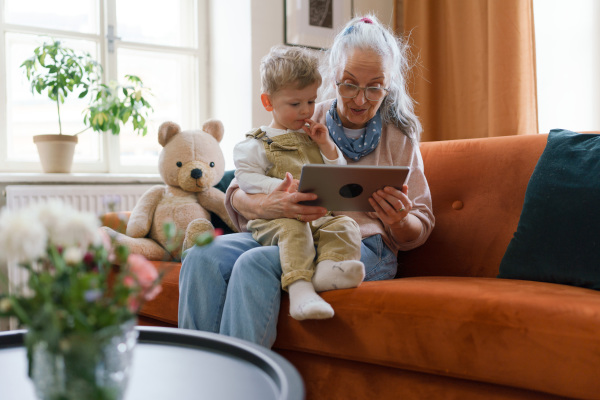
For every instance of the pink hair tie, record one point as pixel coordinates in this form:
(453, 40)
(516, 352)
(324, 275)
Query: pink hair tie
(367, 20)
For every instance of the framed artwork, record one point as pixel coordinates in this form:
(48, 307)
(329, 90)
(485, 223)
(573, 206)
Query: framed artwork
(314, 23)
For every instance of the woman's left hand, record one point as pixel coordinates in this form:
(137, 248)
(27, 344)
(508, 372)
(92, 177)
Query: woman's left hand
(391, 205)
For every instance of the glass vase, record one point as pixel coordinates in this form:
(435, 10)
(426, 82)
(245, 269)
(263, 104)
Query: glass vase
(91, 366)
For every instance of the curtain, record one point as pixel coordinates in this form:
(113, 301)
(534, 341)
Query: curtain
(474, 73)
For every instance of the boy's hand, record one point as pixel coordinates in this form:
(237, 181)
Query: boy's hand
(319, 133)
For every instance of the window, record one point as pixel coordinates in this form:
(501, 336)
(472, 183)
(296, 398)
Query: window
(567, 37)
(164, 43)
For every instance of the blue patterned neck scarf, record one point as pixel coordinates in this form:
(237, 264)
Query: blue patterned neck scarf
(353, 149)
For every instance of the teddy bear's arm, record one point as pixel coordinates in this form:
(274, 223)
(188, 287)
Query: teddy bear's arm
(142, 214)
(213, 200)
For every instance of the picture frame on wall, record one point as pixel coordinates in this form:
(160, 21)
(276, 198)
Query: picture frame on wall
(314, 23)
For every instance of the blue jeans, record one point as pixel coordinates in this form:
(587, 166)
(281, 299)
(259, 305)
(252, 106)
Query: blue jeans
(233, 285)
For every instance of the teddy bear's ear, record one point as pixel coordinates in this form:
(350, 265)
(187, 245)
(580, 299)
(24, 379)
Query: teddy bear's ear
(166, 131)
(214, 127)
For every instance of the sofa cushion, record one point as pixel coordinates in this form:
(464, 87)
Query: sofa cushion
(556, 238)
(478, 188)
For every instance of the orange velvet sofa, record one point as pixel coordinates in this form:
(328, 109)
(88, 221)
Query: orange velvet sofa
(446, 327)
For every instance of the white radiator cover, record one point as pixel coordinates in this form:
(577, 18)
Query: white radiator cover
(92, 198)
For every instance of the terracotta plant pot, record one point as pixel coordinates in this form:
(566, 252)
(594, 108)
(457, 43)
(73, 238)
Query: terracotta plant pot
(56, 152)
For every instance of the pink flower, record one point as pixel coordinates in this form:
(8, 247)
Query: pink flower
(133, 304)
(144, 274)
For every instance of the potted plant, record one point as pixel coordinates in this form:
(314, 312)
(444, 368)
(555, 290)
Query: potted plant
(58, 72)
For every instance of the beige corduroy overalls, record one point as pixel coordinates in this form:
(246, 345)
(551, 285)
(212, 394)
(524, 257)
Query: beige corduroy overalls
(336, 238)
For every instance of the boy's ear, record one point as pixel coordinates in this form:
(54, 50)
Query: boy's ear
(266, 102)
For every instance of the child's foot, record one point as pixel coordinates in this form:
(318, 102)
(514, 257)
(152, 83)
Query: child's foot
(331, 275)
(305, 303)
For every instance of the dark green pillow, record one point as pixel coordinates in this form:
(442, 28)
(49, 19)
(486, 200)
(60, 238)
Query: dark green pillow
(222, 186)
(558, 235)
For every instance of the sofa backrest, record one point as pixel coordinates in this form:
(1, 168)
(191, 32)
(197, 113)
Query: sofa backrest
(477, 188)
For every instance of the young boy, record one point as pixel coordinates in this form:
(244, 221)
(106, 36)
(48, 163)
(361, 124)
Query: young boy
(290, 79)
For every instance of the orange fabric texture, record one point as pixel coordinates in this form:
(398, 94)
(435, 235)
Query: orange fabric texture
(164, 307)
(475, 67)
(528, 335)
(334, 378)
(478, 188)
(116, 220)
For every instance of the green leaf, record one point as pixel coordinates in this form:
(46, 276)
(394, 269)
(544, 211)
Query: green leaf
(125, 116)
(169, 229)
(204, 239)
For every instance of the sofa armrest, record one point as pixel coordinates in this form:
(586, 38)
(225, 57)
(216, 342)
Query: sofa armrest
(116, 220)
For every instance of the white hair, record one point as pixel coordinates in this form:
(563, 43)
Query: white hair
(366, 32)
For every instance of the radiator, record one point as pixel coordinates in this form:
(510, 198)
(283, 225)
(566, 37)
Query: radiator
(93, 198)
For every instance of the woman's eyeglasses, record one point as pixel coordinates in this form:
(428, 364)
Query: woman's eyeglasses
(350, 91)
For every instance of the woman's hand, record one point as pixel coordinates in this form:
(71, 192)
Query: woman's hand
(281, 203)
(319, 133)
(391, 205)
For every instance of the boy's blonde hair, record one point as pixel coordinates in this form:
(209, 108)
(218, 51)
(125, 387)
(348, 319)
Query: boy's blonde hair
(286, 66)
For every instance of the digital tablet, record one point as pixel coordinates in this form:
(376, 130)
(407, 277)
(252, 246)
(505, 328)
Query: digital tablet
(348, 187)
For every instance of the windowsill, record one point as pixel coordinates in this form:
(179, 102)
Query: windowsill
(88, 178)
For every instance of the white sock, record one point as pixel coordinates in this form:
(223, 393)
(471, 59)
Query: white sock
(305, 303)
(331, 275)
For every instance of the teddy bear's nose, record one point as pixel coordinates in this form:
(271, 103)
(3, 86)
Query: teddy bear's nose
(196, 173)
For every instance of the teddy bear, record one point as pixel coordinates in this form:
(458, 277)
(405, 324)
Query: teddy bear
(190, 164)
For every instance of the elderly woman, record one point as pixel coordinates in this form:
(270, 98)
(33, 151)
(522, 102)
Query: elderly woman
(233, 285)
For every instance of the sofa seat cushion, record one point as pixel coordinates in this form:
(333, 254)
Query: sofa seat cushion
(165, 306)
(481, 329)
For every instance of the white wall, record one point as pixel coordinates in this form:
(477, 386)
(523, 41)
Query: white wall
(267, 31)
(241, 33)
(229, 70)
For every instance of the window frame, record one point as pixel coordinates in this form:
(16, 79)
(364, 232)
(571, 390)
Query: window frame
(110, 147)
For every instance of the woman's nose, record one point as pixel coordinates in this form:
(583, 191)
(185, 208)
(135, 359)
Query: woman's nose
(360, 98)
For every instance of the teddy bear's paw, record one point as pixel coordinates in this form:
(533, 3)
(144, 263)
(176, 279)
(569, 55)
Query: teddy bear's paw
(144, 246)
(194, 229)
